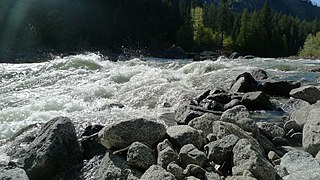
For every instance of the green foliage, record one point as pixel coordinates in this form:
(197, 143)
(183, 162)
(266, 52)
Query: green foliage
(311, 46)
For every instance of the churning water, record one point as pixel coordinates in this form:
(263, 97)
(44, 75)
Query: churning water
(86, 87)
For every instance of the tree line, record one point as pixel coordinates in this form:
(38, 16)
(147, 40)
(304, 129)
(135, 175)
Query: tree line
(154, 25)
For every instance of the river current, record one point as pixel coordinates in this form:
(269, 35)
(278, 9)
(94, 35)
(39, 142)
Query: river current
(88, 88)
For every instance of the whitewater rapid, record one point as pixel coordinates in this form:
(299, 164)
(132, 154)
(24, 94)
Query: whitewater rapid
(83, 86)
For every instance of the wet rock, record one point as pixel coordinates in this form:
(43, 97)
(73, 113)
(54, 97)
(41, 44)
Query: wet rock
(265, 143)
(270, 130)
(246, 157)
(189, 154)
(279, 88)
(257, 101)
(259, 74)
(311, 132)
(203, 96)
(234, 55)
(231, 104)
(124, 133)
(239, 115)
(185, 113)
(291, 124)
(54, 150)
(310, 174)
(183, 134)
(244, 83)
(13, 173)
(174, 52)
(222, 129)
(156, 172)
(166, 154)
(176, 170)
(297, 160)
(140, 156)
(281, 171)
(90, 143)
(310, 94)
(220, 151)
(194, 170)
(222, 98)
(204, 123)
(115, 167)
(240, 178)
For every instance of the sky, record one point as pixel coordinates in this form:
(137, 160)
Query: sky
(317, 2)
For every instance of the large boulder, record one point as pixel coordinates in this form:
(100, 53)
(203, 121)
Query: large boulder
(222, 129)
(174, 52)
(115, 167)
(123, 134)
(183, 134)
(300, 115)
(166, 154)
(298, 160)
(311, 132)
(256, 101)
(204, 122)
(140, 156)
(244, 83)
(279, 88)
(308, 174)
(13, 173)
(220, 151)
(156, 172)
(310, 94)
(176, 170)
(246, 157)
(240, 116)
(270, 130)
(189, 154)
(55, 150)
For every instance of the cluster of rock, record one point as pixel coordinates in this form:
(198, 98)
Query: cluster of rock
(214, 138)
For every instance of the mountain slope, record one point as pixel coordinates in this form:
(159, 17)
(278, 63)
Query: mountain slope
(301, 8)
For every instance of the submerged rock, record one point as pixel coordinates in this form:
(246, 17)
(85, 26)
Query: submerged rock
(55, 150)
(124, 133)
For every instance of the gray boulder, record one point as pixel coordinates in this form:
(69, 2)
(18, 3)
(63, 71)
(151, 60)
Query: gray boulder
(257, 101)
(166, 154)
(189, 154)
(244, 83)
(293, 104)
(279, 88)
(222, 98)
(259, 74)
(300, 115)
(311, 132)
(13, 173)
(183, 134)
(231, 104)
(123, 134)
(220, 151)
(54, 150)
(176, 170)
(222, 129)
(204, 122)
(240, 178)
(212, 176)
(246, 157)
(310, 94)
(156, 172)
(318, 156)
(240, 116)
(270, 130)
(185, 113)
(297, 160)
(115, 167)
(309, 174)
(281, 171)
(195, 170)
(140, 156)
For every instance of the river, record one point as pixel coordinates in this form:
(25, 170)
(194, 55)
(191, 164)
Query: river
(84, 87)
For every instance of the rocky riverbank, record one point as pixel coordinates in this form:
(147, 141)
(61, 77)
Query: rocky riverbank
(213, 136)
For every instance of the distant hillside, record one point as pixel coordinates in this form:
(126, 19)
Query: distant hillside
(301, 8)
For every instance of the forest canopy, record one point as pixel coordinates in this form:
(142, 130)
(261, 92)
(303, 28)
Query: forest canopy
(152, 25)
